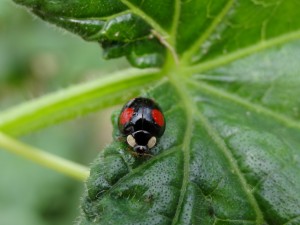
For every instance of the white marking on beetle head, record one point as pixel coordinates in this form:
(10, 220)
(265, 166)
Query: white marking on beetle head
(151, 142)
(131, 140)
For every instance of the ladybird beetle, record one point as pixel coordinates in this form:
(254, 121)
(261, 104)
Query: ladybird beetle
(142, 122)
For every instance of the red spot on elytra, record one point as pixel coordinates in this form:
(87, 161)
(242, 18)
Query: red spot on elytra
(126, 115)
(158, 117)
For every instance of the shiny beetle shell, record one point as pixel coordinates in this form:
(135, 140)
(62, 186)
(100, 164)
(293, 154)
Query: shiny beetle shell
(142, 122)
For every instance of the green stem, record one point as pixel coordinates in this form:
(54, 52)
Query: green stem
(75, 101)
(46, 159)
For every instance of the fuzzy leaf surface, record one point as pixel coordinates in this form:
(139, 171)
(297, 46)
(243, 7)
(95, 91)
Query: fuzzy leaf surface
(224, 159)
(230, 154)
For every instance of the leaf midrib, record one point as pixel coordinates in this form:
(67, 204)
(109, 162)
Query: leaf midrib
(192, 110)
(185, 146)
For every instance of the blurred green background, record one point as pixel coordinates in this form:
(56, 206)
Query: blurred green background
(35, 59)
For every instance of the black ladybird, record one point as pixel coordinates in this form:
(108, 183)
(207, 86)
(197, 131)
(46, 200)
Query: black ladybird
(142, 122)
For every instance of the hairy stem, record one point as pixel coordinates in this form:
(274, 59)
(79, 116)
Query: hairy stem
(46, 159)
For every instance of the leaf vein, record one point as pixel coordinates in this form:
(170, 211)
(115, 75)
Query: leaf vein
(146, 17)
(233, 220)
(226, 151)
(197, 44)
(191, 113)
(243, 52)
(140, 168)
(295, 218)
(185, 148)
(175, 22)
(249, 105)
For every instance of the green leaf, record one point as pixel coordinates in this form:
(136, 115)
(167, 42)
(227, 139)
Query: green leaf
(230, 153)
(217, 163)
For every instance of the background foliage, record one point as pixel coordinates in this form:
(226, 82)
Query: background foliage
(36, 59)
